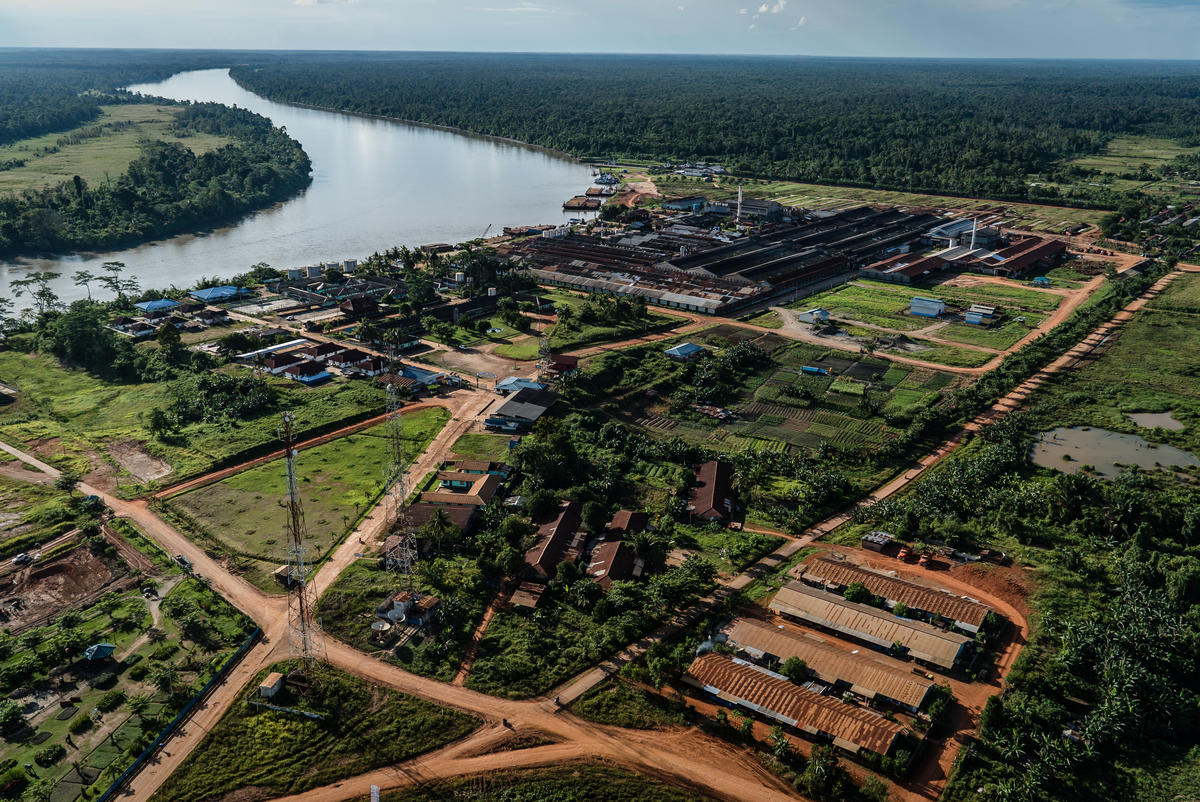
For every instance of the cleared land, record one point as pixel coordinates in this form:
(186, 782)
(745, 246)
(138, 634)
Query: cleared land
(339, 482)
(360, 727)
(820, 196)
(490, 447)
(74, 420)
(98, 150)
(29, 514)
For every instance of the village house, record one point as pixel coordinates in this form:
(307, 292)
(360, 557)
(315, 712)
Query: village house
(712, 497)
(560, 540)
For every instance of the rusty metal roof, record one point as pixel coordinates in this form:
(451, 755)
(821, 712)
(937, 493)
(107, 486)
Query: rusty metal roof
(923, 641)
(868, 673)
(827, 571)
(851, 727)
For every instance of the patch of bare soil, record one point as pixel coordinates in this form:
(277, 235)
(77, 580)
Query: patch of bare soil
(23, 473)
(251, 793)
(1004, 582)
(135, 459)
(46, 588)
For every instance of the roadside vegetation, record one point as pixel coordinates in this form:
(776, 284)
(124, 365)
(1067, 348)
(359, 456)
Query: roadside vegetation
(355, 727)
(622, 703)
(573, 782)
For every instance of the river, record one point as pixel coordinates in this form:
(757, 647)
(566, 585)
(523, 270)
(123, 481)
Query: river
(376, 184)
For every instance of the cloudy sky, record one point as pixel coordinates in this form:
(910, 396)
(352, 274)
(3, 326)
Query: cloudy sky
(974, 28)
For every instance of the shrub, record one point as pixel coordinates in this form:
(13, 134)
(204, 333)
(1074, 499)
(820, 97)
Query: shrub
(50, 755)
(138, 672)
(80, 725)
(111, 700)
(165, 651)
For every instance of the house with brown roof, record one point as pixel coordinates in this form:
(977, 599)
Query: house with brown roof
(560, 540)
(463, 489)
(835, 575)
(879, 628)
(359, 306)
(461, 516)
(322, 350)
(712, 497)
(767, 695)
(613, 561)
(625, 523)
(349, 357)
(872, 677)
(275, 363)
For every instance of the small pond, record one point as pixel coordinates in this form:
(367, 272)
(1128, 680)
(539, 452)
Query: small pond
(1101, 449)
(1151, 420)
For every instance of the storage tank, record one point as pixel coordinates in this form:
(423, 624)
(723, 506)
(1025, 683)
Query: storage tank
(333, 266)
(491, 292)
(460, 277)
(313, 271)
(295, 273)
(349, 265)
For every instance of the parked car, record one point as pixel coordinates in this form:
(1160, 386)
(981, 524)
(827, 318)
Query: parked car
(24, 558)
(184, 562)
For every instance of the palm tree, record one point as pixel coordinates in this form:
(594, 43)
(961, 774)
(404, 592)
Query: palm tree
(164, 677)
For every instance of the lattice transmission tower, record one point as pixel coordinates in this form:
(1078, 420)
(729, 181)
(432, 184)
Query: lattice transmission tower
(543, 364)
(305, 639)
(402, 555)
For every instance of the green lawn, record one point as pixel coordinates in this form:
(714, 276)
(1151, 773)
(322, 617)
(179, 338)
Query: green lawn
(944, 355)
(340, 481)
(523, 349)
(573, 782)
(999, 336)
(879, 307)
(489, 447)
(363, 727)
(988, 293)
(51, 159)
(76, 418)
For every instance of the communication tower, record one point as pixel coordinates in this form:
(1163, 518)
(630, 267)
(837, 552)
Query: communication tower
(305, 639)
(543, 365)
(395, 466)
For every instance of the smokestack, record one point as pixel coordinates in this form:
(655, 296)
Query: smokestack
(974, 228)
(739, 211)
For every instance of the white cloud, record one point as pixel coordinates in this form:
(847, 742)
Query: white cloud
(799, 23)
(323, 2)
(742, 11)
(683, 8)
(528, 8)
(752, 26)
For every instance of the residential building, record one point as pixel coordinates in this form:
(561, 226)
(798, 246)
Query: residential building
(514, 383)
(872, 677)
(712, 497)
(461, 516)
(275, 363)
(923, 642)
(349, 357)
(836, 575)
(625, 523)
(613, 561)
(307, 372)
(359, 306)
(322, 350)
(768, 695)
(816, 316)
(463, 489)
(520, 410)
(560, 540)
(216, 295)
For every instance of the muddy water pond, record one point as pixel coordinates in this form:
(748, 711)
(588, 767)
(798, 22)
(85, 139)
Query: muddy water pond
(1151, 420)
(1069, 449)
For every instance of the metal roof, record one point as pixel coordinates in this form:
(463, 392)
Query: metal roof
(851, 727)
(923, 641)
(841, 573)
(867, 673)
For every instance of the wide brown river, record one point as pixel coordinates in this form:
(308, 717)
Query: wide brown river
(376, 184)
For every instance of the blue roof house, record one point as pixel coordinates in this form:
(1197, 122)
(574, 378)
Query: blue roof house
(926, 307)
(213, 295)
(514, 383)
(156, 305)
(685, 351)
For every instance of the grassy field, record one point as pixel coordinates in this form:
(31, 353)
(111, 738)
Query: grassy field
(576, 782)
(30, 514)
(489, 447)
(623, 704)
(947, 355)
(347, 610)
(100, 149)
(1128, 154)
(820, 196)
(362, 727)
(496, 332)
(879, 307)
(1150, 366)
(339, 482)
(583, 335)
(1006, 333)
(76, 420)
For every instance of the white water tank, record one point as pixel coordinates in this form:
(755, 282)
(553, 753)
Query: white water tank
(460, 277)
(333, 266)
(349, 265)
(491, 292)
(313, 271)
(295, 273)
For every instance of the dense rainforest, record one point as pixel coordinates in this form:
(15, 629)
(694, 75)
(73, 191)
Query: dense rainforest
(167, 189)
(962, 127)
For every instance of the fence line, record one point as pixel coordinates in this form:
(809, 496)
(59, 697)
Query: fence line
(146, 754)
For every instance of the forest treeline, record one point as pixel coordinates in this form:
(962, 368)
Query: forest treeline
(970, 127)
(166, 190)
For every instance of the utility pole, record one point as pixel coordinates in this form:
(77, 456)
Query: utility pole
(305, 639)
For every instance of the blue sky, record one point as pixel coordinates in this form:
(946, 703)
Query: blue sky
(933, 28)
